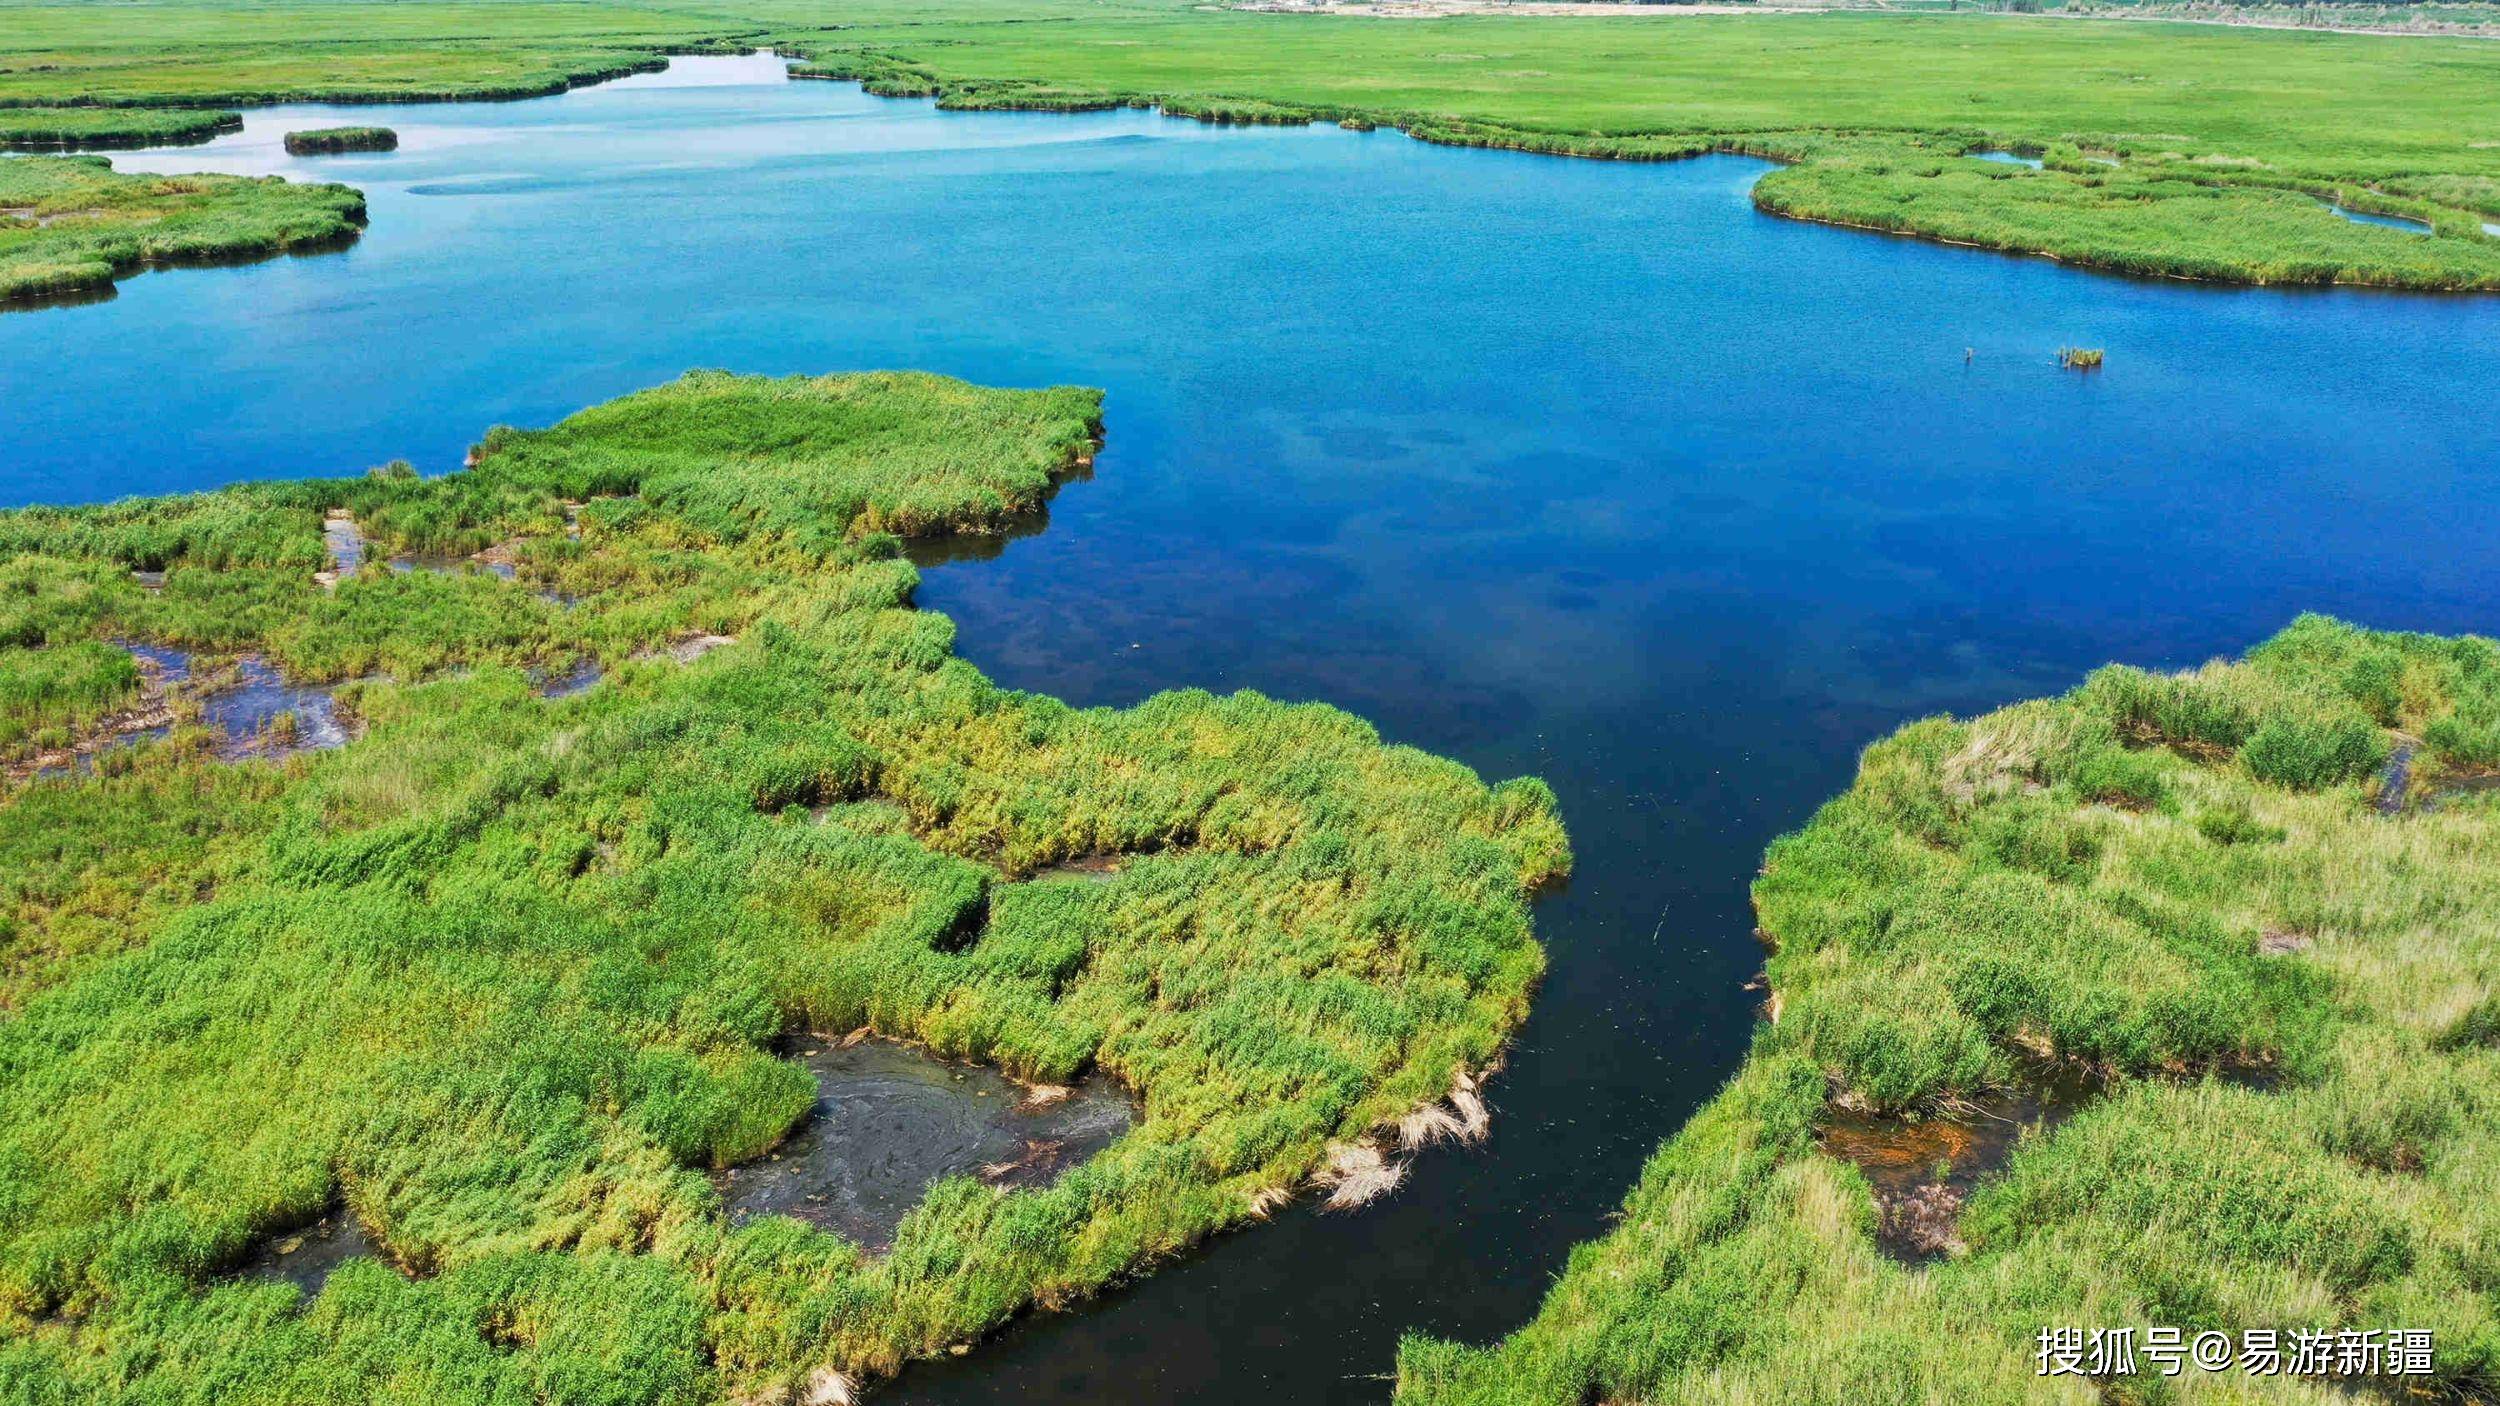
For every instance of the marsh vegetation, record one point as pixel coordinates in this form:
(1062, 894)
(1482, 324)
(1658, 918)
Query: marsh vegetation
(72, 224)
(2172, 151)
(2178, 889)
(62, 128)
(324, 141)
(508, 980)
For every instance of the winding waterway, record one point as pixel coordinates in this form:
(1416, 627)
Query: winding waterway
(1564, 467)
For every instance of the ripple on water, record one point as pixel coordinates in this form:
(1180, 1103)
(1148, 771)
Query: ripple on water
(889, 1121)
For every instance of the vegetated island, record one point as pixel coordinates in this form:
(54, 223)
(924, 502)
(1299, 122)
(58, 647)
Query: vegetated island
(324, 141)
(2225, 940)
(66, 128)
(503, 983)
(71, 225)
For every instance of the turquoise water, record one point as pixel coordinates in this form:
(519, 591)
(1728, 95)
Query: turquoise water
(1579, 468)
(2402, 222)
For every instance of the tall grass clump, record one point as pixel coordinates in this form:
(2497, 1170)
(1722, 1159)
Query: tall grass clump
(507, 977)
(323, 141)
(2177, 885)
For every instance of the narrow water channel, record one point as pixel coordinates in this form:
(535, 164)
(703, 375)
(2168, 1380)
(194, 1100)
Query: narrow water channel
(1574, 468)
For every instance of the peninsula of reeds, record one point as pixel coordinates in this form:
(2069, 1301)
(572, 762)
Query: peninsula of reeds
(505, 978)
(2254, 908)
(72, 224)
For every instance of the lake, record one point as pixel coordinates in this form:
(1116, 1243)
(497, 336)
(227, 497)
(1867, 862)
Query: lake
(1565, 467)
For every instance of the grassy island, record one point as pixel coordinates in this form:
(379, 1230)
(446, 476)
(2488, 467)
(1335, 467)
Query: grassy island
(504, 977)
(2251, 911)
(64, 128)
(72, 224)
(323, 141)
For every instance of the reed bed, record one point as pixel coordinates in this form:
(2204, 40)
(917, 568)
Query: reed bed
(2183, 885)
(324, 141)
(69, 128)
(71, 225)
(504, 977)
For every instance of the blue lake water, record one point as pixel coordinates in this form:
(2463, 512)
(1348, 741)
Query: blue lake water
(1565, 467)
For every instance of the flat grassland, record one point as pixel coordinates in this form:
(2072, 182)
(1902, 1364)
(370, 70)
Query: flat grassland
(2275, 965)
(2176, 150)
(503, 978)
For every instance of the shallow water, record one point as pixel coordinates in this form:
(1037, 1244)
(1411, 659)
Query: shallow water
(244, 706)
(246, 711)
(889, 1121)
(307, 1258)
(2364, 217)
(2009, 158)
(1922, 1170)
(1586, 469)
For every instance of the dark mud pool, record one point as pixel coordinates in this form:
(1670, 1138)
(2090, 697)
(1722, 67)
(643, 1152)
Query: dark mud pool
(1922, 1170)
(890, 1120)
(1581, 469)
(306, 1258)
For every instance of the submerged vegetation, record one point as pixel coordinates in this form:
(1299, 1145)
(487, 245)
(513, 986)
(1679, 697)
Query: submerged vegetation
(2208, 897)
(324, 140)
(506, 978)
(72, 224)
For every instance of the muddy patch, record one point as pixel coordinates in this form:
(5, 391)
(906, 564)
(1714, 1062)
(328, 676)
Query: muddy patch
(255, 711)
(578, 679)
(306, 1258)
(1091, 868)
(889, 1121)
(2393, 782)
(1923, 1170)
(442, 564)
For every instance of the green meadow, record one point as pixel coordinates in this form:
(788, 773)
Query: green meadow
(2192, 891)
(507, 976)
(2179, 150)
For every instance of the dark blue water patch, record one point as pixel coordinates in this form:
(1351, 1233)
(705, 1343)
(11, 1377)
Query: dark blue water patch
(1384, 419)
